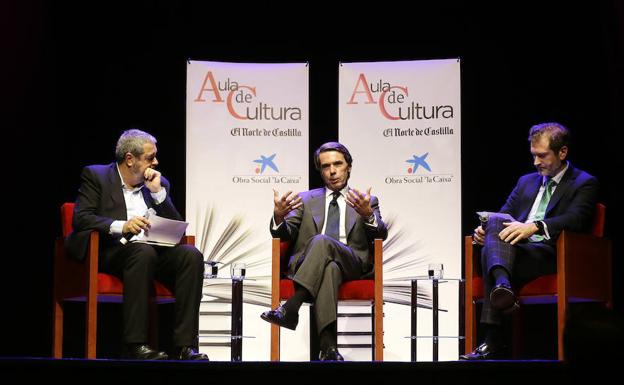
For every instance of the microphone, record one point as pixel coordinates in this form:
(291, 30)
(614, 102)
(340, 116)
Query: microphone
(483, 218)
(126, 238)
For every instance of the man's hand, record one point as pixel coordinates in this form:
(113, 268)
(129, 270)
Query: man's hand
(152, 180)
(478, 236)
(135, 225)
(514, 232)
(360, 202)
(284, 205)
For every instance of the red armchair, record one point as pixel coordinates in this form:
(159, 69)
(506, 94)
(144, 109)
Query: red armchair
(360, 290)
(80, 281)
(583, 275)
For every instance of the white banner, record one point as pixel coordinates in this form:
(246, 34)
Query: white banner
(246, 134)
(401, 122)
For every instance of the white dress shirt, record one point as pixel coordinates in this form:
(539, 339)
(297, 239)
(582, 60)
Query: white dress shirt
(135, 204)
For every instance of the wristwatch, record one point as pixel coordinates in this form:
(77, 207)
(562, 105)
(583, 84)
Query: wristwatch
(540, 227)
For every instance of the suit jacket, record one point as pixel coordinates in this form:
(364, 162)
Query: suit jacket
(100, 202)
(570, 207)
(302, 224)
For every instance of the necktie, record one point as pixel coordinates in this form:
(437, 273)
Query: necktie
(332, 229)
(541, 208)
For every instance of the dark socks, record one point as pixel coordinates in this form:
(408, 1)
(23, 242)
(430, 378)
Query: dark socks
(328, 337)
(501, 276)
(493, 335)
(294, 303)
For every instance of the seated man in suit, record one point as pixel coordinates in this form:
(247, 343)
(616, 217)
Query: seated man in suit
(332, 229)
(555, 198)
(113, 199)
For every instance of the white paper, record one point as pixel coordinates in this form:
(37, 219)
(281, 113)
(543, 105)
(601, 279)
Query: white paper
(162, 231)
(485, 215)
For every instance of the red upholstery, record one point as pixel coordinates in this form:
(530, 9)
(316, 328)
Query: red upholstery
(543, 285)
(287, 288)
(361, 289)
(111, 285)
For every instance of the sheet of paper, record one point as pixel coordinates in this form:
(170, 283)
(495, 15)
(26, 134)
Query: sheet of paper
(485, 215)
(163, 231)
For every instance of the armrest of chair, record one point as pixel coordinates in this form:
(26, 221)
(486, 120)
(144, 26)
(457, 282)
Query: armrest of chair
(378, 304)
(472, 268)
(65, 267)
(188, 240)
(276, 272)
(584, 266)
(92, 266)
(378, 267)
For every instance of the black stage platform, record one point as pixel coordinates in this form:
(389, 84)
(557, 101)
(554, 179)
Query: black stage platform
(79, 371)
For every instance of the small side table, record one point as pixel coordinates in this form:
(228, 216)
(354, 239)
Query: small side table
(236, 331)
(435, 335)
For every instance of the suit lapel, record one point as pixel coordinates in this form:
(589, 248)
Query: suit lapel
(317, 208)
(563, 186)
(532, 191)
(350, 218)
(116, 193)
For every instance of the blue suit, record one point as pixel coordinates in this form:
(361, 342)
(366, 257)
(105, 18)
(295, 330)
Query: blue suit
(571, 207)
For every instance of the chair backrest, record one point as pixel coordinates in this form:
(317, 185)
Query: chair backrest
(67, 217)
(599, 220)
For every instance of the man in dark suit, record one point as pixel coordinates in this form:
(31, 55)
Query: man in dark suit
(332, 229)
(113, 199)
(519, 241)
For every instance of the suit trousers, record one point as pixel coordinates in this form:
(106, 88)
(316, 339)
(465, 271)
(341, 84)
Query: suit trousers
(323, 266)
(180, 267)
(524, 262)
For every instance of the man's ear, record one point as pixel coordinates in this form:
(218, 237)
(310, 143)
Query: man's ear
(563, 153)
(129, 159)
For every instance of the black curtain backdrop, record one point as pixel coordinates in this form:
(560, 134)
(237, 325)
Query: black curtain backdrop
(79, 73)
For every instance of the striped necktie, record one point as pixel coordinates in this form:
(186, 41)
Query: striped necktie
(541, 208)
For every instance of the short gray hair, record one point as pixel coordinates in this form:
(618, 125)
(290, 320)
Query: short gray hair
(132, 141)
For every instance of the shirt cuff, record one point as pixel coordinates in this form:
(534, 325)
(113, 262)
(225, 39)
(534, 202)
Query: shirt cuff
(274, 226)
(160, 196)
(372, 223)
(116, 228)
(546, 234)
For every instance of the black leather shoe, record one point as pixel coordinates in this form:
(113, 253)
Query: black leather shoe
(142, 352)
(503, 298)
(280, 317)
(188, 353)
(483, 352)
(331, 354)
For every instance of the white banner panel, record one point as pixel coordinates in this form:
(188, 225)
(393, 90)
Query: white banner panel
(246, 134)
(401, 122)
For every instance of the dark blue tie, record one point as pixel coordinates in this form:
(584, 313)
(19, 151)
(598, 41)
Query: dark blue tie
(332, 229)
